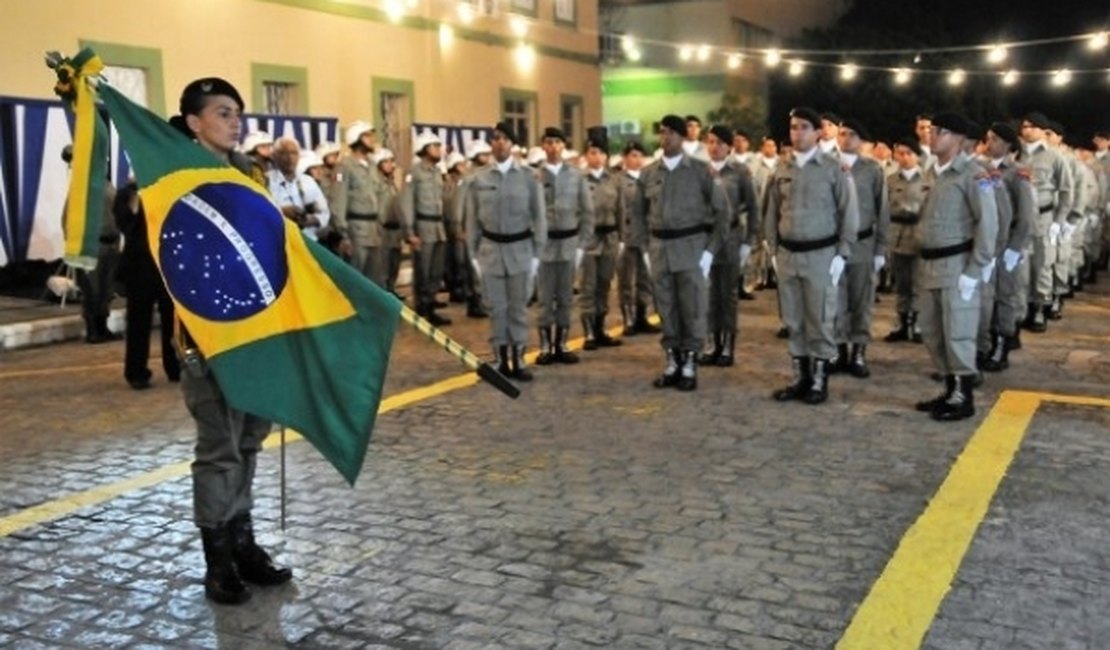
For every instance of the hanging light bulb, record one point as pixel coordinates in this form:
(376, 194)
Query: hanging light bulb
(1061, 77)
(997, 54)
(734, 61)
(1098, 40)
(796, 68)
(519, 26)
(1010, 77)
(772, 58)
(628, 43)
(525, 56)
(685, 53)
(917, 58)
(395, 9)
(848, 71)
(956, 77)
(446, 36)
(466, 12)
(634, 55)
(703, 53)
(901, 76)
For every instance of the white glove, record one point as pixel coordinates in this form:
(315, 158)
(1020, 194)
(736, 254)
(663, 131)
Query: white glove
(1068, 231)
(836, 269)
(706, 262)
(477, 268)
(647, 262)
(880, 262)
(967, 286)
(1011, 258)
(620, 249)
(745, 253)
(578, 255)
(1053, 234)
(988, 271)
(535, 268)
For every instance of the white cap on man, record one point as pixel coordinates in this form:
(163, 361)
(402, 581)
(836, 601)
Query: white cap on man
(355, 131)
(479, 147)
(381, 155)
(424, 140)
(536, 156)
(254, 140)
(453, 158)
(308, 160)
(325, 149)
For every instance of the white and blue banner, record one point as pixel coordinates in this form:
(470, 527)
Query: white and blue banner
(455, 137)
(34, 179)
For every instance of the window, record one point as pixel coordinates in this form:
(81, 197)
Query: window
(750, 35)
(523, 6)
(570, 119)
(515, 112)
(281, 97)
(129, 81)
(566, 12)
(395, 127)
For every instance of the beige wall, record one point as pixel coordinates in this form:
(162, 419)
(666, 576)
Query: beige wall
(456, 85)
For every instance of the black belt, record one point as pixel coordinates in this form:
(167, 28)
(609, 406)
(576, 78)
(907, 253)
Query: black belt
(429, 217)
(1045, 208)
(907, 218)
(678, 233)
(502, 238)
(605, 230)
(795, 246)
(354, 216)
(865, 233)
(391, 225)
(562, 234)
(947, 251)
(109, 239)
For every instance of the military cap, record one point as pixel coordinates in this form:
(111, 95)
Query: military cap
(953, 122)
(674, 123)
(808, 114)
(722, 133)
(856, 127)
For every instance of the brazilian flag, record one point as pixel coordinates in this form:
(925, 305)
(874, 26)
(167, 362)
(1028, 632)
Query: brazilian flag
(291, 332)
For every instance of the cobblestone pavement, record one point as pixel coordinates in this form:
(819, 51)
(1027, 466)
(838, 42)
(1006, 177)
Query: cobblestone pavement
(595, 511)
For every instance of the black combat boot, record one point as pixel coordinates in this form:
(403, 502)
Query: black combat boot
(688, 373)
(711, 358)
(783, 333)
(547, 353)
(819, 384)
(603, 338)
(643, 325)
(799, 385)
(255, 565)
(474, 309)
(629, 316)
(221, 579)
(502, 360)
(670, 371)
(1014, 342)
(960, 403)
(930, 405)
(915, 331)
(1037, 322)
(1055, 311)
(857, 365)
(588, 327)
(519, 372)
(840, 362)
(903, 331)
(728, 350)
(561, 353)
(999, 357)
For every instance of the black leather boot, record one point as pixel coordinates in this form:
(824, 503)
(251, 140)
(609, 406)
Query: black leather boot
(222, 583)
(915, 331)
(839, 363)
(561, 353)
(930, 405)
(588, 327)
(960, 403)
(819, 386)
(1037, 322)
(628, 314)
(711, 358)
(1055, 311)
(857, 364)
(603, 338)
(903, 331)
(503, 360)
(474, 309)
(1014, 342)
(999, 356)
(643, 325)
(799, 385)
(670, 371)
(547, 352)
(728, 350)
(783, 333)
(688, 373)
(519, 372)
(255, 565)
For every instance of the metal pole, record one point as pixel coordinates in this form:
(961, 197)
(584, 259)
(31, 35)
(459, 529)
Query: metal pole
(283, 479)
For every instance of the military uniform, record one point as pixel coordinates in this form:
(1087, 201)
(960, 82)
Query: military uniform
(724, 275)
(905, 195)
(422, 207)
(956, 235)
(686, 213)
(570, 224)
(96, 284)
(356, 215)
(760, 267)
(506, 228)
(856, 294)
(1052, 182)
(1084, 212)
(810, 218)
(600, 259)
(634, 283)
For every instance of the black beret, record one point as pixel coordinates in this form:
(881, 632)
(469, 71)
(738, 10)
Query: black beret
(552, 132)
(742, 133)
(910, 143)
(192, 98)
(634, 146)
(505, 129)
(597, 136)
(693, 118)
(974, 130)
(808, 114)
(857, 127)
(1056, 127)
(1102, 135)
(953, 122)
(1005, 132)
(722, 133)
(674, 123)
(1038, 120)
(832, 117)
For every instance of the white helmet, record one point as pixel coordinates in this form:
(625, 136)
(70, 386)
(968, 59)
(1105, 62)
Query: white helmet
(536, 156)
(453, 158)
(423, 140)
(570, 154)
(254, 140)
(355, 131)
(382, 154)
(479, 147)
(308, 160)
(615, 161)
(325, 149)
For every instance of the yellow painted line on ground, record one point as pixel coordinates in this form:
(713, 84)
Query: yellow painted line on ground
(15, 374)
(901, 606)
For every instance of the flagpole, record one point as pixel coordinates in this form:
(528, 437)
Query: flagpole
(487, 372)
(283, 479)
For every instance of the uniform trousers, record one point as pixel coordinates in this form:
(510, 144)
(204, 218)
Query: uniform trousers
(595, 282)
(808, 302)
(634, 282)
(949, 326)
(142, 298)
(1042, 262)
(723, 281)
(556, 291)
(506, 298)
(427, 266)
(855, 303)
(904, 268)
(681, 299)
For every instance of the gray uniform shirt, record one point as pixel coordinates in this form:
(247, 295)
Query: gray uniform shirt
(743, 216)
(687, 197)
(606, 198)
(504, 204)
(811, 203)
(357, 186)
(1051, 179)
(421, 198)
(905, 198)
(874, 210)
(569, 207)
(632, 229)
